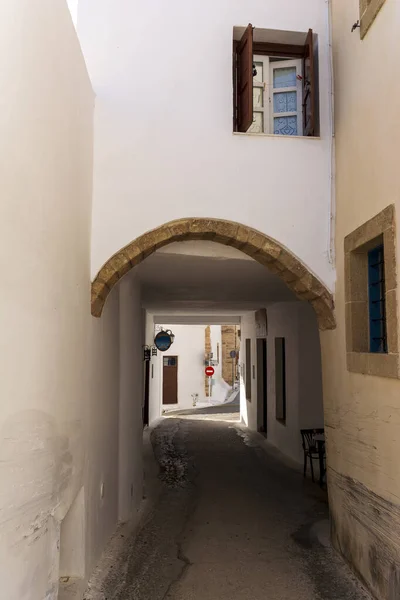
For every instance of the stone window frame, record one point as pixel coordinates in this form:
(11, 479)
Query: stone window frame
(368, 12)
(380, 228)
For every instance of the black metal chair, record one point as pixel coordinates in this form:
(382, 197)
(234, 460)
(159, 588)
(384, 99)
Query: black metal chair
(311, 449)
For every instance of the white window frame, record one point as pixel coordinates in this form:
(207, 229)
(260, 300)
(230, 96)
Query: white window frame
(264, 85)
(267, 85)
(297, 63)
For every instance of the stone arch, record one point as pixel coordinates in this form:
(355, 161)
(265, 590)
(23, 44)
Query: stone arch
(260, 247)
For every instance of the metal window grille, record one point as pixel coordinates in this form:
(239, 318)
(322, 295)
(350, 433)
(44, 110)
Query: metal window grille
(376, 300)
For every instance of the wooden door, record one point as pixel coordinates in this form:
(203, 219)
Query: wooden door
(170, 380)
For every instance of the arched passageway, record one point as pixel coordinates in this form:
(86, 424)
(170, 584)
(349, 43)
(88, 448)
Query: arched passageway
(265, 250)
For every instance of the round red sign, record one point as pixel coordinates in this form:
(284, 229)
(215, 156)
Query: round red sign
(209, 371)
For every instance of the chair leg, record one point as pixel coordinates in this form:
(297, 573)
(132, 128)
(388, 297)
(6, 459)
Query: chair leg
(312, 469)
(305, 464)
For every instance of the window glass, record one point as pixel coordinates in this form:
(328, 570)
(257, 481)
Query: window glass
(258, 72)
(285, 77)
(169, 361)
(285, 102)
(258, 97)
(285, 125)
(258, 123)
(376, 300)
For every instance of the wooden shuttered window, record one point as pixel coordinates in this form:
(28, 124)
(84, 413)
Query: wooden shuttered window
(309, 86)
(244, 80)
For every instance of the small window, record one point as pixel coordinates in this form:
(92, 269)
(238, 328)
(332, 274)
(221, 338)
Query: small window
(169, 361)
(376, 300)
(275, 82)
(280, 380)
(368, 12)
(248, 369)
(371, 297)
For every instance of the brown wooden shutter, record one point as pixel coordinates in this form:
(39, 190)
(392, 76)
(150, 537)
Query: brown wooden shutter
(244, 96)
(309, 86)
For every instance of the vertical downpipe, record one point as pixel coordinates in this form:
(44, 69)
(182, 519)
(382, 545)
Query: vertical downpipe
(332, 196)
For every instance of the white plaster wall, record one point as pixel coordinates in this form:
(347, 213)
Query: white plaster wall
(362, 411)
(114, 418)
(164, 147)
(130, 398)
(155, 389)
(45, 213)
(248, 407)
(296, 322)
(102, 431)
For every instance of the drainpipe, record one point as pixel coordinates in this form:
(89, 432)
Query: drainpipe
(332, 170)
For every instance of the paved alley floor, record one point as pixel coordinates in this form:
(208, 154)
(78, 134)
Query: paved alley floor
(230, 522)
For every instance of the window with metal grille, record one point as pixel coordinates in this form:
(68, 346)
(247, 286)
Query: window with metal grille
(376, 300)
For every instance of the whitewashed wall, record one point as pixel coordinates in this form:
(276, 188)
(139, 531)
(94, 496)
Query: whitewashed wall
(130, 398)
(296, 322)
(164, 147)
(69, 444)
(46, 177)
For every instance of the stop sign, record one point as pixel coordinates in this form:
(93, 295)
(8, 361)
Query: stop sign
(209, 371)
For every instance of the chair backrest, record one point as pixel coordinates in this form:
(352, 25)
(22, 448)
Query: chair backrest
(308, 440)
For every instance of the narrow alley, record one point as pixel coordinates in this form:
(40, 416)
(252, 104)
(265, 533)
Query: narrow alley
(200, 249)
(230, 520)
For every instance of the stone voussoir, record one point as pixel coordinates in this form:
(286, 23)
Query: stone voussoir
(108, 274)
(179, 229)
(254, 243)
(121, 263)
(100, 289)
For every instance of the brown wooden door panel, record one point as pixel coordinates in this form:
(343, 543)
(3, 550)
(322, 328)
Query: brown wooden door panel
(170, 380)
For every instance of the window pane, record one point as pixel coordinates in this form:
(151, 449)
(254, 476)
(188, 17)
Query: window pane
(285, 125)
(285, 102)
(376, 300)
(259, 75)
(285, 77)
(258, 123)
(258, 97)
(169, 361)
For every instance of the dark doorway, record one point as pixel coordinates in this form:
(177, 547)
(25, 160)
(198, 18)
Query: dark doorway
(262, 385)
(170, 380)
(146, 393)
